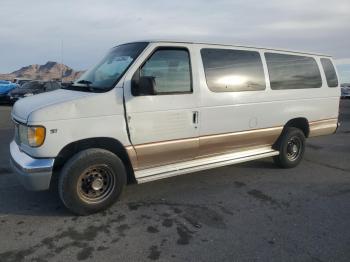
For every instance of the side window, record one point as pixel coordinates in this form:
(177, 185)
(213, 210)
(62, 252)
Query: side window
(329, 71)
(170, 69)
(233, 70)
(292, 71)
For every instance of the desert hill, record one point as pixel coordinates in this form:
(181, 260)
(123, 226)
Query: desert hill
(49, 71)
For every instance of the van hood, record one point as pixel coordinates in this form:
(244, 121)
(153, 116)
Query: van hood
(66, 104)
(26, 106)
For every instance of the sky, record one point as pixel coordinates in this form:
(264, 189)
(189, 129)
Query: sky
(80, 32)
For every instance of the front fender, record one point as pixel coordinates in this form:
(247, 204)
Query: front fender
(60, 133)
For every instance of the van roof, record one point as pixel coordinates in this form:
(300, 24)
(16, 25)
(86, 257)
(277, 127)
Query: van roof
(230, 45)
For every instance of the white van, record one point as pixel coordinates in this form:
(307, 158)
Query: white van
(156, 109)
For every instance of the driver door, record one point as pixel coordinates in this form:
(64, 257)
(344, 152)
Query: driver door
(164, 127)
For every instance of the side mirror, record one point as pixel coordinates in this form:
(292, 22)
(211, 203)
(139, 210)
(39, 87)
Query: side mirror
(145, 86)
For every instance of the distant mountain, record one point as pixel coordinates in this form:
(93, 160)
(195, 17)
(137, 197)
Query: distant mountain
(49, 71)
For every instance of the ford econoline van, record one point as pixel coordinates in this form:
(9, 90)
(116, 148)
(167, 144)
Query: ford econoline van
(155, 109)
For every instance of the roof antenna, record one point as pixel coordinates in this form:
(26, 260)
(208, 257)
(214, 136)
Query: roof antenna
(61, 60)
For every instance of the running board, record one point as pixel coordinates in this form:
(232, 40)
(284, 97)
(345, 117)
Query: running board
(155, 173)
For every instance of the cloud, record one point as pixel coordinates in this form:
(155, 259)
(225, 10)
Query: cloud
(32, 31)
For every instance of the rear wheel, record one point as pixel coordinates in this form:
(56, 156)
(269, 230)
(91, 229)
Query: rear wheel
(291, 146)
(91, 181)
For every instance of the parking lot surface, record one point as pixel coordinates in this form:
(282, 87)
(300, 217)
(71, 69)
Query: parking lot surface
(248, 212)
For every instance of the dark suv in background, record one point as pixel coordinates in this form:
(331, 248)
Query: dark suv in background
(32, 88)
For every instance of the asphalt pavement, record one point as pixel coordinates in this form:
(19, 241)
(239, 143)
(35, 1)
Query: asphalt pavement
(247, 212)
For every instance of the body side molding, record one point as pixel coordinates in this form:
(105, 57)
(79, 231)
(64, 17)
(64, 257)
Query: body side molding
(156, 173)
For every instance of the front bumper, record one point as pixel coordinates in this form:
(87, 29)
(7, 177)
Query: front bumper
(33, 173)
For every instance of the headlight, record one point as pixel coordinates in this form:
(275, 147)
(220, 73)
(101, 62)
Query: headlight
(33, 136)
(28, 94)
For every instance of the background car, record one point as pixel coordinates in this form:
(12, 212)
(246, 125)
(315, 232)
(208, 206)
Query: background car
(345, 92)
(32, 88)
(5, 88)
(21, 81)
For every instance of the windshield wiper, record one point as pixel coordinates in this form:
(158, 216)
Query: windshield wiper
(88, 85)
(85, 86)
(85, 82)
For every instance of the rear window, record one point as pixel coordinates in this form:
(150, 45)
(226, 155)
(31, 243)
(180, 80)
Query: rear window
(233, 70)
(292, 71)
(331, 75)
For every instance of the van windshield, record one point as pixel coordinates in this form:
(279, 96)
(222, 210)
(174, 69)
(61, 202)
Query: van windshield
(105, 75)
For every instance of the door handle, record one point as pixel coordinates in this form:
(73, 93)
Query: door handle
(195, 117)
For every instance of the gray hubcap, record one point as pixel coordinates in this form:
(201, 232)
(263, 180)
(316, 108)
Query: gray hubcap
(96, 183)
(294, 147)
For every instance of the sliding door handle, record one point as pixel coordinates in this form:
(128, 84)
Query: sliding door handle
(195, 117)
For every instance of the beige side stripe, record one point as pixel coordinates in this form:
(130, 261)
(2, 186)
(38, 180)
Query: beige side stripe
(172, 151)
(323, 127)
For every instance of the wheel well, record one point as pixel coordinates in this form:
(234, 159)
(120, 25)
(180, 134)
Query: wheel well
(106, 143)
(300, 123)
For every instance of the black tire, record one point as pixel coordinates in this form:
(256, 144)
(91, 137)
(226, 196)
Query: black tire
(291, 146)
(91, 181)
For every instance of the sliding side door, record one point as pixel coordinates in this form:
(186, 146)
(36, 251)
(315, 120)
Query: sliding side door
(235, 111)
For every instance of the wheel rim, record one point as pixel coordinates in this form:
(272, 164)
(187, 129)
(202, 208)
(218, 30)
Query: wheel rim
(96, 184)
(294, 147)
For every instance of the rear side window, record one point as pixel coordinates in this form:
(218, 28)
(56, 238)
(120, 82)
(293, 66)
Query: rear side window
(292, 71)
(329, 71)
(171, 70)
(233, 70)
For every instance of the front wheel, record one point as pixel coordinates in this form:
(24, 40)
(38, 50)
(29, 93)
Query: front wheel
(91, 181)
(291, 146)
